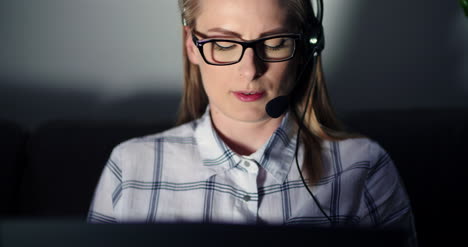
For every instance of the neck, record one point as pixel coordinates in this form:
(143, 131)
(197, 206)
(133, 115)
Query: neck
(242, 137)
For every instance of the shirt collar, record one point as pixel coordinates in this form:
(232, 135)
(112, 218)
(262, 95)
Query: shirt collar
(275, 156)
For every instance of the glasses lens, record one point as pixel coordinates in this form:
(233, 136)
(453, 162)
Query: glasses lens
(276, 49)
(222, 52)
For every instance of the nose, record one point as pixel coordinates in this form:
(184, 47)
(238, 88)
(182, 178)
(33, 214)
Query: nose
(250, 67)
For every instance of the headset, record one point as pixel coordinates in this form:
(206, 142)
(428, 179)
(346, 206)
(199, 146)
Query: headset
(314, 41)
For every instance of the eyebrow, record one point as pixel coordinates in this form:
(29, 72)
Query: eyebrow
(237, 35)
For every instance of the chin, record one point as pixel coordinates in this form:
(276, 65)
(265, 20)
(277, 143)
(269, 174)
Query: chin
(250, 115)
(243, 112)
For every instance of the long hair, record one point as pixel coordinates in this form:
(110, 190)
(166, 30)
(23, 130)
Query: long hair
(320, 122)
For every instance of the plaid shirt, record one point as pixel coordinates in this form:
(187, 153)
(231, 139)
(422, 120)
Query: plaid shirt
(188, 174)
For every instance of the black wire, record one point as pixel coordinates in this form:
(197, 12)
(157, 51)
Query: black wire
(312, 57)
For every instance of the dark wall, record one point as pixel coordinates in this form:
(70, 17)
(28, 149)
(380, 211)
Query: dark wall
(403, 54)
(60, 60)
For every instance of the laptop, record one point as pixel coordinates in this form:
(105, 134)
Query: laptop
(72, 232)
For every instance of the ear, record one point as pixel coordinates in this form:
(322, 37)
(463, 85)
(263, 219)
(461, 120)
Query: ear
(190, 46)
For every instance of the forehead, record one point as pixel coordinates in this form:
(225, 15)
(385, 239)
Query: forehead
(246, 17)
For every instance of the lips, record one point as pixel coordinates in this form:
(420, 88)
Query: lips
(249, 96)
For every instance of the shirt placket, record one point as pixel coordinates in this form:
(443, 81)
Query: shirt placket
(247, 204)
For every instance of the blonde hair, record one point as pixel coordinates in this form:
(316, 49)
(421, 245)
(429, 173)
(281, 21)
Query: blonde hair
(320, 122)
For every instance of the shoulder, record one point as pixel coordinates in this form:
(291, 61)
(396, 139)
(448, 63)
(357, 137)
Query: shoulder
(356, 151)
(377, 183)
(179, 136)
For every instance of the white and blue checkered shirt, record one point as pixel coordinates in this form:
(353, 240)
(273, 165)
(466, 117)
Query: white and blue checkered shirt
(187, 174)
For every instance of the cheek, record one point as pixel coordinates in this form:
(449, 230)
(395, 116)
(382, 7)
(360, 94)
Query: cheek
(281, 77)
(214, 80)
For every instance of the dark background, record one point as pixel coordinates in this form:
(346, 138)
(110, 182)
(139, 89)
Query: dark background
(121, 60)
(397, 69)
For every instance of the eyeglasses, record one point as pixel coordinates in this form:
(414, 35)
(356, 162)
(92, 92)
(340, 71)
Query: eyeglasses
(276, 48)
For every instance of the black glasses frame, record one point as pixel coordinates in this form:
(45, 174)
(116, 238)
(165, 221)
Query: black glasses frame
(247, 44)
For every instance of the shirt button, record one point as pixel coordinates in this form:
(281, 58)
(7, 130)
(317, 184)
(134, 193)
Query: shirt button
(246, 198)
(246, 164)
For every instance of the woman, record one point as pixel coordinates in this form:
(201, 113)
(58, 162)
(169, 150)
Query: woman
(229, 161)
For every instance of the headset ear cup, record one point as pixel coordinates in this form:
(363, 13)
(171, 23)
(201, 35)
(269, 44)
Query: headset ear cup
(316, 38)
(314, 41)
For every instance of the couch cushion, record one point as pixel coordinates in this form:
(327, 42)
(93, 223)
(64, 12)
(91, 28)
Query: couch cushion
(12, 142)
(66, 159)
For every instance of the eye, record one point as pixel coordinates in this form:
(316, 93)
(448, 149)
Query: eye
(223, 45)
(277, 43)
